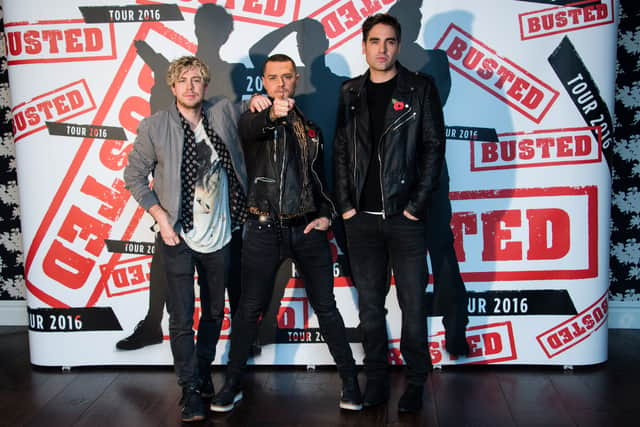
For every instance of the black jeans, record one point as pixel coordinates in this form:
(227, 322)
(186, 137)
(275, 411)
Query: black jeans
(213, 271)
(264, 248)
(158, 283)
(374, 243)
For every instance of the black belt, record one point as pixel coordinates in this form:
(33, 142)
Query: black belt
(290, 221)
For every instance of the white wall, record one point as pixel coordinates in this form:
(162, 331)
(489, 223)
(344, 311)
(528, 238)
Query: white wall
(13, 313)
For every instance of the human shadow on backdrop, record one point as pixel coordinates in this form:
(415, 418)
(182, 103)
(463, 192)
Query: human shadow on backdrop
(449, 298)
(212, 26)
(318, 97)
(485, 112)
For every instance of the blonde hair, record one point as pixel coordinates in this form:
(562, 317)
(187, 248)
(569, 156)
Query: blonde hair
(178, 66)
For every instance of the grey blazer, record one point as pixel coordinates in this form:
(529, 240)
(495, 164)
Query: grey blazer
(157, 150)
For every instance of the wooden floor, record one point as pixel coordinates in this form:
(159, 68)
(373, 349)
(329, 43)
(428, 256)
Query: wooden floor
(603, 395)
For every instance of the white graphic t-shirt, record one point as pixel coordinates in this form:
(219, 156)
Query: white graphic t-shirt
(211, 216)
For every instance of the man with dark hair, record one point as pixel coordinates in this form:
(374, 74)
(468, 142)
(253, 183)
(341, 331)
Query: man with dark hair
(315, 95)
(388, 153)
(197, 198)
(289, 214)
(449, 293)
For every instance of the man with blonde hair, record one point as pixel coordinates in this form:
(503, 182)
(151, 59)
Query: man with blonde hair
(198, 197)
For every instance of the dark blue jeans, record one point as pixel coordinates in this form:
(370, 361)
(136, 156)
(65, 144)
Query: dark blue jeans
(374, 243)
(264, 248)
(213, 271)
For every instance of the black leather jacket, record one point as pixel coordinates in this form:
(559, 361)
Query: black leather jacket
(274, 166)
(411, 147)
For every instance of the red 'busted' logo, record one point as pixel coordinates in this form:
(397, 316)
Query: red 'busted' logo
(497, 75)
(66, 264)
(59, 41)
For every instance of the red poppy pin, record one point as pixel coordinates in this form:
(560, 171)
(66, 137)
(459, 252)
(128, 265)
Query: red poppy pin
(311, 133)
(398, 105)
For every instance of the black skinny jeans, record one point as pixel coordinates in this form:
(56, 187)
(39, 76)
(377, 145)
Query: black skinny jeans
(264, 248)
(181, 262)
(374, 241)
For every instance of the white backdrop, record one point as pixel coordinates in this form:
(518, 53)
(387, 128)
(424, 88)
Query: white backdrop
(530, 207)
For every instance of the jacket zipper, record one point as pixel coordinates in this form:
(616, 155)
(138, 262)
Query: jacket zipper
(275, 146)
(404, 121)
(284, 156)
(355, 157)
(313, 161)
(258, 179)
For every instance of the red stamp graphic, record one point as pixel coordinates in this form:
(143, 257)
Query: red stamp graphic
(66, 264)
(128, 276)
(56, 106)
(554, 147)
(574, 330)
(342, 19)
(563, 19)
(492, 343)
(497, 75)
(59, 41)
(271, 13)
(526, 234)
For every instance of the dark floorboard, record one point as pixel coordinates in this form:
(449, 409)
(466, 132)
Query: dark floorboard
(603, 395)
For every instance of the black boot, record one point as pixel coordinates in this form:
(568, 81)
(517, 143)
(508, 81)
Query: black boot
(192, 406)
(376, 391)
(204, 373)
(230, 395)
(455, 327)
(411, 399)
(142, 336)
(351, 397)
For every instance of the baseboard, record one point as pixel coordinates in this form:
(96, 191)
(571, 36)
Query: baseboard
(624, 315)
(13, 313)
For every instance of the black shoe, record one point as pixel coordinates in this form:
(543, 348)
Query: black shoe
(456, 343)
(206, 389)
(351, 398)
(142, 336)
(192, 406)
(228, 397)
(256, 349)
(455, 326)
(376, 392)
(411, 400)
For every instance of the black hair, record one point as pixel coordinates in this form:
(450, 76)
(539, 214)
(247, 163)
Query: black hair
(278, 57)
(381, 18)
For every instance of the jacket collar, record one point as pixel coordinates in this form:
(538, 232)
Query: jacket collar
(174, 114)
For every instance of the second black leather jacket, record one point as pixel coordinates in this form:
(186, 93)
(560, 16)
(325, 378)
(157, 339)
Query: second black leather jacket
(274, 163)
(411, 149)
